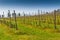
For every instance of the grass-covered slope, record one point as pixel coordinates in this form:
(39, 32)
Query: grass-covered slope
(27, 33)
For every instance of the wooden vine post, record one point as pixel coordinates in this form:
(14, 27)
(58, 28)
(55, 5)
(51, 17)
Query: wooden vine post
(55, 19)
(9, 16)
(15, 20)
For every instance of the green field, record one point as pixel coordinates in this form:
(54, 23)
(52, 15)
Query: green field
(37, 27)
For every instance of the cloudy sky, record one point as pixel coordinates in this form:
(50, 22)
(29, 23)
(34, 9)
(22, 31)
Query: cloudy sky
(28, 5)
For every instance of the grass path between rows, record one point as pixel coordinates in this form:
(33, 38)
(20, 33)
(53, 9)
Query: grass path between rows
(43, 34)
(7, 33)
(29, 33)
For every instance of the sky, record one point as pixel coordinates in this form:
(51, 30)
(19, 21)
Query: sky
(28, 5)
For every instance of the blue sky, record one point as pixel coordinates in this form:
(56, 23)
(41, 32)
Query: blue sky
(28, 5)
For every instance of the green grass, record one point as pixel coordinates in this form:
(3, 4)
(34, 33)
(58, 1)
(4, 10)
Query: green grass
(28, 33)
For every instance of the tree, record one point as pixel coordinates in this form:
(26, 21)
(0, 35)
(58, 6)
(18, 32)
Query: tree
(9, 15)
(14, 14)
(0, 16)
(18, 14)
(58, 10)
(3, 15)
